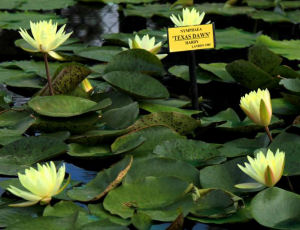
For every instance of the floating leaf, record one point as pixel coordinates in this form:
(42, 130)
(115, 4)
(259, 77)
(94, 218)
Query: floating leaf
(151, 193)
(104, 53)
(285, 48)
(181, 123)
(16, 20)
(154, 135)
(288, 143)
(64, 106)
(23, 153)
(276, 202)
(66, 79)
(291, 84)
(105, 181)
(219, 70)
(120, 118)
(137, 84)
(35, 4)
(194, 152)
(242, 38)
(161, 167)
(250, 75)
(77, 150)
(225, 176)
(138, 60)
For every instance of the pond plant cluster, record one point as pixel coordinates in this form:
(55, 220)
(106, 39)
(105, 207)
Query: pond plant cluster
(124, 111)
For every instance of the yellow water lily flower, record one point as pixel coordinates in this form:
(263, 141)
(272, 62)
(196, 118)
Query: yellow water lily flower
(189, 18)
(41, 184)
(257, 106)
(45, 38)
(146, 43)
(266, 170)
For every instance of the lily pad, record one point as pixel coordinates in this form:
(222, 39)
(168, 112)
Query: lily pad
(242, 39)
(104, 53)
(16, 20)
(288, 143)
(181, 123)
(35, 4)
(276, 202)
(150, 193)
(219, 70)
(23, 153)
(64, 106)
(225, 176)
(138, 60)
(137, 84)
(105, 181)
(154, 135)
(285, 48)
(77, 150)
(194, 152)
(291, 84)
(161, 167)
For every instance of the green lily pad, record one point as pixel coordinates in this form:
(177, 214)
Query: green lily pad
(288, 143)
(78, 150)
(242, 39)
(122, 117)
(16, 20)
(35, 4)
(182, 71)
(137, 84)
(138, 60)
(222, 9)
(276, 202)
(150, 193)
(197, 153)
(154, 107)
(270, 16)
(285, 48)
(250, 75)
(291, 84)
(219, 70)
(66, 78)
(215, 203)
(181, 123)
(162, 167)
(31, 66)
(225, 176)
(282, 107)
(104, 53)
(75, 125)
(64, 106)
(23, 153)
(149, 10)
(154, 135)
(94, 137)
(105, 181)
(19, 78)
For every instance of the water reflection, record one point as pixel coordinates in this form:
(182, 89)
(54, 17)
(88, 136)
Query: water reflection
(89, 22)
(79, 174)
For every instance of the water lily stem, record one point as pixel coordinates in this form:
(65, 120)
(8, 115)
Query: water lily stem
(269, 133)
(193, 80)
(48, 74)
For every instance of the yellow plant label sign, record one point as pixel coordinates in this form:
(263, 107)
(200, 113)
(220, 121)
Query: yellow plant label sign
(187, 38)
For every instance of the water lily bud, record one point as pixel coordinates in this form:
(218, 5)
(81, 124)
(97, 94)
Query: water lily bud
(258, 107)
(45, 38)
(266, 170)
(41, 184)
(146, 43)
(86, 85)
(189, 18)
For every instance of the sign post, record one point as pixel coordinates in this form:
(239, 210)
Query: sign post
(191, 38)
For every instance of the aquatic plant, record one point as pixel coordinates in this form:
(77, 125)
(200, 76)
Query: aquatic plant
(42, 184)
(189, 18)
(265, 169)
